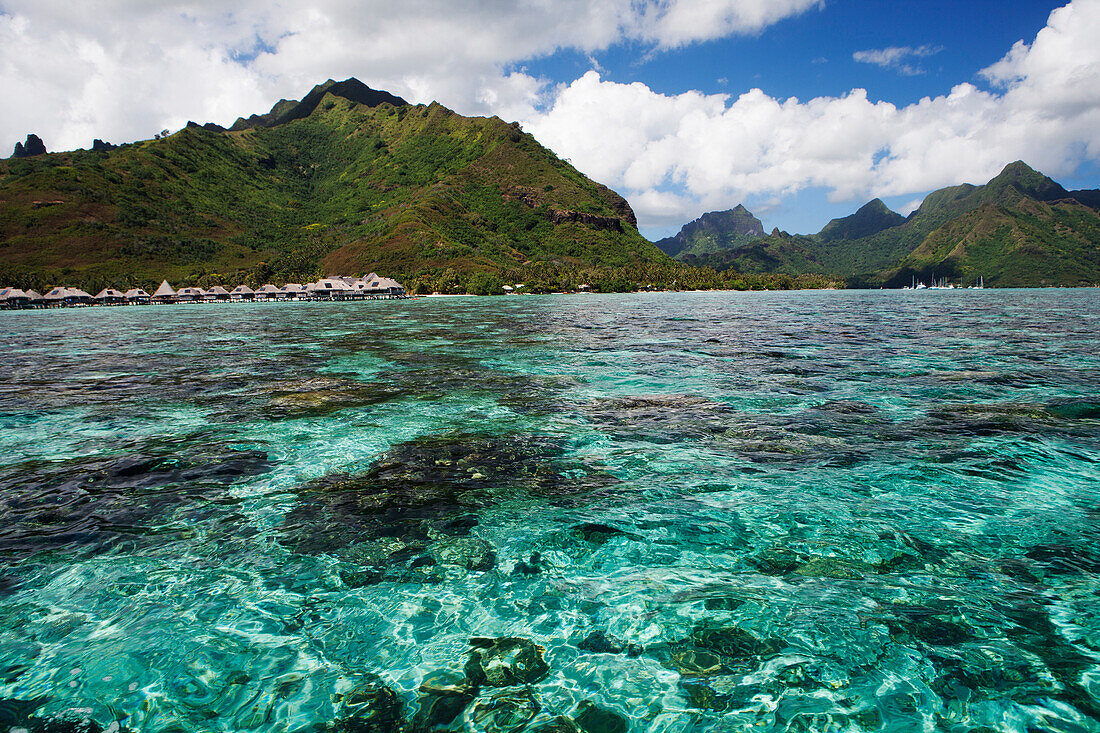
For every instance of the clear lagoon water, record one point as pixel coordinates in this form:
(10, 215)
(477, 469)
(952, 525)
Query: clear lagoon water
(807, 511)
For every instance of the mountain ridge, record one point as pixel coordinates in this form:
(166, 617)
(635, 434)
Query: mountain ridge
(1019, 228)
(347, 179)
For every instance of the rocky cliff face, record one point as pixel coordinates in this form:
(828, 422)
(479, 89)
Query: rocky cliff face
(33, 146)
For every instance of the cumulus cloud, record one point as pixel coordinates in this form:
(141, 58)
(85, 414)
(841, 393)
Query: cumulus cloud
(704, 152)
(895, 57)
(124, 69)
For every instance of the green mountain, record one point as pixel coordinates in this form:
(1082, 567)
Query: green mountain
(347, 180)
(1019, 229)
(713, 232)
(872, 218)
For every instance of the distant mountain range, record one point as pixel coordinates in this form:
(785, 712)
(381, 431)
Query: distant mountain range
(1019, 229)
(347, 180)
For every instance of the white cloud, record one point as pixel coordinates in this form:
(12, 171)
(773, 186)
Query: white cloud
(124, 69)
(711, 151)
(895, 57)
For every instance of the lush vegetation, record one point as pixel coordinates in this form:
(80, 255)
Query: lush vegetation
(1020, 229)
(346, 188)
(546, 277)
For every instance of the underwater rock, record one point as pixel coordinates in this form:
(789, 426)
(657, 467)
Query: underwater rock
(662, 418)
(597, 534)
(600, 643)
(421, 498)
(319, 396)
(85, 505)
(443, 696)
(832, 567)
(591, 718)
(370, 707)
(18, 714)
(531, 567)
(1065, 560)
(559, 724)
(505, 662)
(776, 561)
(503, 711)
(714, 649)
(929, 626)
(467, 552)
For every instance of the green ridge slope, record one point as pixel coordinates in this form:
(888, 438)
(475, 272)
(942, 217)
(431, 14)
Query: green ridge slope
(330, 184)
(1020, 229)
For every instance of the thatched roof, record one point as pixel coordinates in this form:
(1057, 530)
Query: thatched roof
(34, 295)
(57, 293)
(245, 290)
(190, 292)
(109, 293)
(217, 290)
(329, 285)
(133, 293)
(265, 289)
(164, 291)
(13, 294)
(292, 288)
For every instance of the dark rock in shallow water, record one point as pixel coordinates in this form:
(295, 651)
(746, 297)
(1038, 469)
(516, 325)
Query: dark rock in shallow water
(597, 534)
(1065, 560)
(505, 662)
(600, 643)
(715, 649)
(776, 561)
(420, 499)
(591, 718)
(18, 715)
(370, 707)
(93, 503)
(443, 697)
(504, 711)
(560, 724)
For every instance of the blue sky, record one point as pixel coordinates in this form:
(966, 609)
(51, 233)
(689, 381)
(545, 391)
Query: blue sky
(803, 110)
(812, 55)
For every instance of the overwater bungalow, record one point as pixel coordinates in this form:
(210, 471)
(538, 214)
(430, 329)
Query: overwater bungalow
(164, 294)
(109, 296)
(216, 294)
(14, 298)
(266, 292)
(242, 292)
(292, 291)
(382, 286)
(137, 296)
(330, 288)
(190, 295)
(63, 296)
(36, 298)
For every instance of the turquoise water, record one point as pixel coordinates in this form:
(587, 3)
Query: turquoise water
(671, 512)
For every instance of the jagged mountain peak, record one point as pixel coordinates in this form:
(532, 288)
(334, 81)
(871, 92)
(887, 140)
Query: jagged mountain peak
(286, 110)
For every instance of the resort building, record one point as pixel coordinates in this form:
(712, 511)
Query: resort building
(330, 288)
(266, 292)
(110, 296)
(164, 294)
(242, 292)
